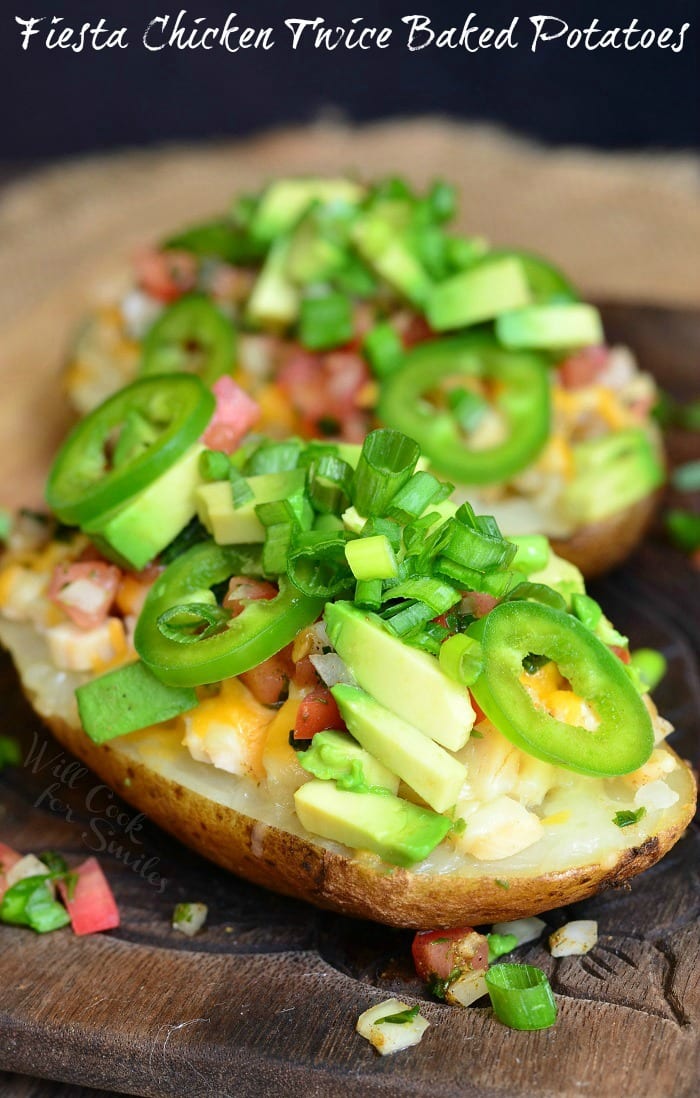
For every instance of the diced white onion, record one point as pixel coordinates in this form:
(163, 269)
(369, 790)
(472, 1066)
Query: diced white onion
(189, 918)
(28, 866)
(655, 796)
(332, 669)
(83, 594)
(139, 310)
(467, 988)
(390, 1036)
(574, 938)
(525, 930)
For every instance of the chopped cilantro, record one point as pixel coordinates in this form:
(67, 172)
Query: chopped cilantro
(500, 944)
(10, 754)
(501, 883)
(626, 818)
(437, 986)
(400, 1018)
(459, 826)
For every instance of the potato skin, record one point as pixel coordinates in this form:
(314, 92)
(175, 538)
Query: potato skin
(597, 548)
(295, 867)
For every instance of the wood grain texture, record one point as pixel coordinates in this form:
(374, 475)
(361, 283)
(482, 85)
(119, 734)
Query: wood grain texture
(264, 1001)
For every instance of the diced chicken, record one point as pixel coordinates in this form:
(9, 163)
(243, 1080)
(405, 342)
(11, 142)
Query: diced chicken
(75, 649)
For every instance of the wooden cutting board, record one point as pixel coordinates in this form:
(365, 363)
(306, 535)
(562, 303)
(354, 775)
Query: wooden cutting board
(264, 1001)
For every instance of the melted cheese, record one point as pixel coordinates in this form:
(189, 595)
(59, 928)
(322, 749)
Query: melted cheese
(228, 730)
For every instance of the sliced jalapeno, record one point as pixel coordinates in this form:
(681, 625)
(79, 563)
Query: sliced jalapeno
(192, 336)
(239, 643)
(520, 394)
(93, 474)
(623, 739)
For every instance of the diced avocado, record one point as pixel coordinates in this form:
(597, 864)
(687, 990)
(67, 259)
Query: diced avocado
(435, 775)
(390, 256)
(550, 327)
(284, 201)
(405, 680)
(274, 301)
(398, 831)
(336, 756)
(129, 698)
(563, 576)
(319, 247)
(479, 293)
(231, 525)
(137, 532)
(611, 473)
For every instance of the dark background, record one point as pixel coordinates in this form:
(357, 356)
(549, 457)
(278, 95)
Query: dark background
(57, 102)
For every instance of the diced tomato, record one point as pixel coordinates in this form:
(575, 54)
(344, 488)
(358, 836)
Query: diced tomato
(166, 275)
(415, 330)
(317, 712)
(441, 620)
(93, 907)
(305, 674)
(234, 415)
(437, 953)
(621, 653)
(583, 367)
(242, 590)
(85, 590)
(323, 389)
(8, 858)
(269, 681)
(479, 603)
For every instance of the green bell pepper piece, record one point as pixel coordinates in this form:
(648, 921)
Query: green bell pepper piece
(227, 646)
(191, 335)
(624, 738)
(523, 399)
(85, 483)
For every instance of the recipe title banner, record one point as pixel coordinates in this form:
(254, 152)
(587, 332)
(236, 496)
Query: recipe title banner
(415, 33)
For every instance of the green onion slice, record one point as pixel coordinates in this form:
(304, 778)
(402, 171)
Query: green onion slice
(521, 996)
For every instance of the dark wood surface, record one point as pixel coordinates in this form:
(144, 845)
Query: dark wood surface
(264, 1001)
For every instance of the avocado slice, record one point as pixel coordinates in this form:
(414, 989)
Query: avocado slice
(337, 756)
(408, 682)
(284, 201)
(388, 254)
(274, 301)
(138, 531)
(563, 576)
(427, 768)
(129, 698)
(484, 290)
(398, 831)
(231, 525)
(610, 473)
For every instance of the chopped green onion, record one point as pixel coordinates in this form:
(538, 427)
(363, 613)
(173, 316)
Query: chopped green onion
(189, 918)
(436, 594)
(214, 465)
(521, 996)
(474, 547)
(684, 529)
(29, 902)
(317, 565)
(586, 610)
(383, 349)
(467, 407)
(10, 753)
(385, 526)
(532, 553)
(355, 279)
(387, 460)
(650, 665)
(461, 659)
(273, 457)
(241, 492)
(626, 818)
(327, 523)
(406, 617)
(329, 483)
(500, 944)
(371, 558)
(462, 251)
(497, 584)
(537, 592)
(368, 594)
(278, 541)
(325, 322)
(442, 200)
(686, 478)
(5, 524)
(422, 490)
